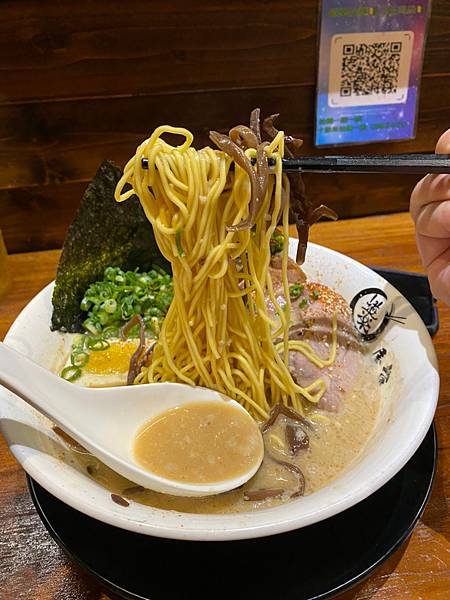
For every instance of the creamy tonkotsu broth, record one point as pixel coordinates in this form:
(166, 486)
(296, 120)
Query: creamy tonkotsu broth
(200, 442)
(243, 319)
(335, 441)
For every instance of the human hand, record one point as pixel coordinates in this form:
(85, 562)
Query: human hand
(430, 209)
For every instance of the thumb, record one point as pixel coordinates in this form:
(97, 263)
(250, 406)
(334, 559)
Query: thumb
(443, 145)
(429, 190)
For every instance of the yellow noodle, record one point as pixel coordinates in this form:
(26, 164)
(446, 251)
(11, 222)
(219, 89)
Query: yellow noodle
(218, 331)
(306, 349)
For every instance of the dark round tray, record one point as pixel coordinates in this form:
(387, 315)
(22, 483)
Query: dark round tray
(315, 562)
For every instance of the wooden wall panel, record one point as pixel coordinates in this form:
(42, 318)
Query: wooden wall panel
(51, 142)
(157, 47)
(92, 49)
(86, 81)
(37, 217)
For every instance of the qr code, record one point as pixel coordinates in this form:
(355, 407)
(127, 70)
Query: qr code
(370, 68)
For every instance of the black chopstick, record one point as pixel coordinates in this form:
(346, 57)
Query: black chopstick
(417, 164)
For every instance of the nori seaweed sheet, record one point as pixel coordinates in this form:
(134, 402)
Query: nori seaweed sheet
(103, 233)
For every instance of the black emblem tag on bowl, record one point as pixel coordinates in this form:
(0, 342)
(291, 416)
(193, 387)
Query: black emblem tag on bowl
(371, 312)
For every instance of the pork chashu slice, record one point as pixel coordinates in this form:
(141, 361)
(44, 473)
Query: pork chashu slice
(311, 321)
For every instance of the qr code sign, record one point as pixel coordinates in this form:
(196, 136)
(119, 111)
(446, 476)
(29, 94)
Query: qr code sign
(370, 68)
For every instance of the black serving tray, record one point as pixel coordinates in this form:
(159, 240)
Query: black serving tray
(416, 289)
(312, 563)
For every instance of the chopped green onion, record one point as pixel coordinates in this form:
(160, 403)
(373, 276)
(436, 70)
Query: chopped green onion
(97, 344)
(276, 242)
(110, 332)
(121, 295)
(85, 304)
(315, 294)
(78, 342)
(71, 373)
(90, 326)
(178, 235)
(303, 302)
(79, 358)
(110, 305)
(296, 290)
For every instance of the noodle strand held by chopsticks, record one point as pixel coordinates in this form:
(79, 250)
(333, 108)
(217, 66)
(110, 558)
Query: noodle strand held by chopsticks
(214, 224)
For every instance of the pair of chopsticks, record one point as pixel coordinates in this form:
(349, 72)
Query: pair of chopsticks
(417, 164)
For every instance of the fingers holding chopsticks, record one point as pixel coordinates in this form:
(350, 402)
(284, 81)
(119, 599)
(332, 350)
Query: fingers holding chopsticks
(430, 209)
(432, 188)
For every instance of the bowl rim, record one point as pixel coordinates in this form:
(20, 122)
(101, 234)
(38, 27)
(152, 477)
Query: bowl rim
(214, 527)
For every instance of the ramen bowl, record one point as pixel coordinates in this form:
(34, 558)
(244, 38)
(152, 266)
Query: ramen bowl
(409, 384)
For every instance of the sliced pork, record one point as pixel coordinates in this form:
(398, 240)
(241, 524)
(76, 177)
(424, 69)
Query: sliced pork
(312, 308)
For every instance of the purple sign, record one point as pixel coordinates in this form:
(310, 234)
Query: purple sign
(370, 64)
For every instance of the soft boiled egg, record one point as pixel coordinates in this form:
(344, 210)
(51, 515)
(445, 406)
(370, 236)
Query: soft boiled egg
(108, 367)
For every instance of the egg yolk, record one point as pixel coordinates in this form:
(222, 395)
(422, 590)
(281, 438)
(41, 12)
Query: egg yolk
(113, 360)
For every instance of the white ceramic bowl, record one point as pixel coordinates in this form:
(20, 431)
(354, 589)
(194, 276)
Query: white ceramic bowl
(409, 400)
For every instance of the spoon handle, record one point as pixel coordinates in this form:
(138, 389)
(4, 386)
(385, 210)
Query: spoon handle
(35, 385)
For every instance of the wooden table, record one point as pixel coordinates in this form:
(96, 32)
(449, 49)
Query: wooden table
(32, 567)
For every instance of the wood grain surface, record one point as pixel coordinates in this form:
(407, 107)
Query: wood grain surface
(237, 44)
(86, 81)
(33, 568)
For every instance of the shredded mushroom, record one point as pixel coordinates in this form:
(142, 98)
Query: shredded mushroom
(255, 123)
(227, 145)
(134, 362)
(263, 494)
(297, 439)
(290, 413)
(242, 138)
(302, 209)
